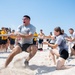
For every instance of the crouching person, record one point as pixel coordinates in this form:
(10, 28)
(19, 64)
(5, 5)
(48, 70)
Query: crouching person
(60, 49)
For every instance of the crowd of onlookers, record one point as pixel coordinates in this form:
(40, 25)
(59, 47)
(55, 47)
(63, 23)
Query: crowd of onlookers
(69, 39)
(6, 41)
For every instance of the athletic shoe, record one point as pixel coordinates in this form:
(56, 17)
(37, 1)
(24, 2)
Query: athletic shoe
(26, 63)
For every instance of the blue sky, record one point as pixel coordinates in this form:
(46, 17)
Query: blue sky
(45, 14)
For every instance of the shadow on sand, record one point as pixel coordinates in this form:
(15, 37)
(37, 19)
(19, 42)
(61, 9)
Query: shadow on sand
(42, 69)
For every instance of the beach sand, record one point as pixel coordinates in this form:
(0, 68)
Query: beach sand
(40, 64)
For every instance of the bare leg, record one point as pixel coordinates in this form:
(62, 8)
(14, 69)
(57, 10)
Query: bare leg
(7, 46)
(53, 57)
(54, 52)
(15, 51)
(3, 46)
(32, 51)
(72, 51)
(11, 47)
(60, 64)
(0, 46)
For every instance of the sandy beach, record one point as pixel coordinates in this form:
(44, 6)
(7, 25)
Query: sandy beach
(40, 64)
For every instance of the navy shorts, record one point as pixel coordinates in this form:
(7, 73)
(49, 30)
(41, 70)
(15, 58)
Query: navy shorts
(0, 41)
(40, 41)
(4, 41)
(12, 41)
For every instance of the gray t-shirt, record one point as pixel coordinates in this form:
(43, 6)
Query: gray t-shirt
(65, 35)
(61, 42)
(30, 29)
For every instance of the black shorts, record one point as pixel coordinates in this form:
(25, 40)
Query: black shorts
(24, 46)
(34, 42)
(64, 54)
(40, 41)
(12, 41)
(73, 47)
(4, 41)
(0, 41)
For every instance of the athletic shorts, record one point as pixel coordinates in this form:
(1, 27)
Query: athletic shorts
(34, 42)
(40, 41)
(12, 41)
(24, 46)
(73, 47)
(64, 54)
(4, 41)
(0, 41)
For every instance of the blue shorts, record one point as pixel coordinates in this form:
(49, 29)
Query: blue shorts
(0, 41)
(4, 41)
(12, 41)
(40, 41)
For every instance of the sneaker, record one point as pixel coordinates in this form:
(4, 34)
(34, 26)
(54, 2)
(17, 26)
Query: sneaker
(40, 49)
(26, 63)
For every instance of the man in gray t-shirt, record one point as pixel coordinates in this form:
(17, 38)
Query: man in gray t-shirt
(25, 32)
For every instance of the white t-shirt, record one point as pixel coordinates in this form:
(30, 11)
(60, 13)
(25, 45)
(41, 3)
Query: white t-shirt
(73, 36)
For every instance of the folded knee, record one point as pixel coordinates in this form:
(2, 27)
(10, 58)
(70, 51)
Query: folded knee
(52, 52)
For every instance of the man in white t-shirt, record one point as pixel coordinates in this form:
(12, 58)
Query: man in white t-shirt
(72, 40)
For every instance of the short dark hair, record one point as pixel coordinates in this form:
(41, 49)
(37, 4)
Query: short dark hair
(3, 28)
(41, 30)
(50, 33)
(62, 30)
(71, 29)
(27, 16)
